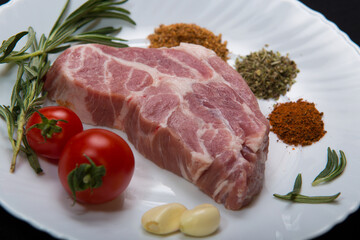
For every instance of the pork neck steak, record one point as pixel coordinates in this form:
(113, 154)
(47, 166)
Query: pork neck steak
(183, 108)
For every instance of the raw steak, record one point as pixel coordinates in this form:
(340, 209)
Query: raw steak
(183, 108)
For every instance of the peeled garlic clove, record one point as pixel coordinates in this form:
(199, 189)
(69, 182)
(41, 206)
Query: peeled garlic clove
(163, 219)
(200, 221)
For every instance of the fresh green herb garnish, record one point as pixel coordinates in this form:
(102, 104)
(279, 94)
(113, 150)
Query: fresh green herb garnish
(295, 195)
(33, 63)
(333, 168)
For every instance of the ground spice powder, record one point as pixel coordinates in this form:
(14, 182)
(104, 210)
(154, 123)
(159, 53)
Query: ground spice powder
(172, 35)
(297, 123)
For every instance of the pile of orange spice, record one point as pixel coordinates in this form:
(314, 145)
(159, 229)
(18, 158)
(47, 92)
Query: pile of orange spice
(172, 35)
(297, 123)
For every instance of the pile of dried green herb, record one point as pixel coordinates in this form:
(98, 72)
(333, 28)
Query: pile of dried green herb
(268, 73)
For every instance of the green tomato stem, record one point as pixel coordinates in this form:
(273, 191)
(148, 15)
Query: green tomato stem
(85, 176)
(87, 179)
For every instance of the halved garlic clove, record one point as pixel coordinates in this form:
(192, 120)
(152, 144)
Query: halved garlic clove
(200, 221)
(163, 219)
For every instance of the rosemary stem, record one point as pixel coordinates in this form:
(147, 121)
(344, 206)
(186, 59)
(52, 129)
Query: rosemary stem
(10, 134)
(20, 133)
(22, 57)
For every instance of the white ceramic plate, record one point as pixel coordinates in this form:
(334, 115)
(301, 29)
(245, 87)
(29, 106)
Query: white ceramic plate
(329, 64)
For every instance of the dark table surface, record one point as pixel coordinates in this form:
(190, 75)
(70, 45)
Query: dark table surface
(346, 15)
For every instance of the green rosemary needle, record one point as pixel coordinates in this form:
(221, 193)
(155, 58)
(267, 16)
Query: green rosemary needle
(333, 168)
(32, 60)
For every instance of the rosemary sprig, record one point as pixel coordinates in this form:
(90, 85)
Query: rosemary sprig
(295, 195)
(306, 199)
(333, 168)
(33, 63)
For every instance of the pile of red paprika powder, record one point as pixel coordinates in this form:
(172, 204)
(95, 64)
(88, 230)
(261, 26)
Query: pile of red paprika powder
(297, 123)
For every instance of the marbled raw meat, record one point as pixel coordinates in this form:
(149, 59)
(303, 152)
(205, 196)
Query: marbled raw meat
(183, 108)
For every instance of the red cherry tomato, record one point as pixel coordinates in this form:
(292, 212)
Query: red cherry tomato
(96, 152)
(47, 137)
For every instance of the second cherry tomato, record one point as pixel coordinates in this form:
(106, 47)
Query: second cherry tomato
(96, 166)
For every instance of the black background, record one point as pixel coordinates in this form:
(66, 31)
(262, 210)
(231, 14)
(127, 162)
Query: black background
(346, 15)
